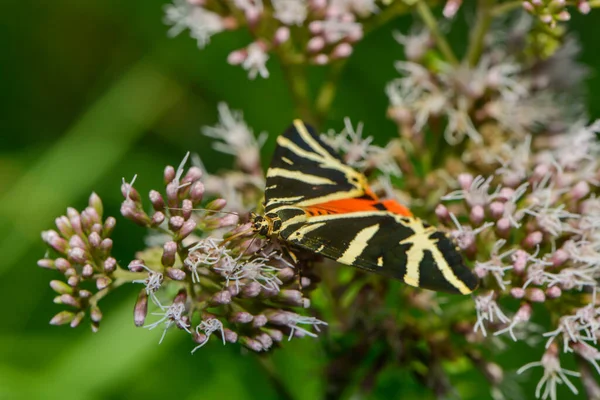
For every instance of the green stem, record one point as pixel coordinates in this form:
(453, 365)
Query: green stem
(482, 26)
(431, 23)
(501, 9)
(295, 76)
(327, 91)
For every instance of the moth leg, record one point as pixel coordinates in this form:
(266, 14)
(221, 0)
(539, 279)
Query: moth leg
(297, 264)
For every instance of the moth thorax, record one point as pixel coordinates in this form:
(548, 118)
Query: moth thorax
(266, 225)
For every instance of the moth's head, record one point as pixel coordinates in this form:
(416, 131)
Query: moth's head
(259, 224)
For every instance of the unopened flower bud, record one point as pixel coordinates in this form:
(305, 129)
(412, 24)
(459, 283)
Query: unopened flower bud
(77, 319)
(553, 292)
(321, 59)
(533, 239)
(265, 340)
(176, 223)
(222, 297)
(63, 317)
(229, 335)
(216, 205)
(282, 35)
(441, 211)
(84, 294)
(342, 50)
(129, 192)
(169, 174)
(193, 174)
(465, 181)
(61, 287)
(519, 259)
(175, 273)
(169, 254)
(286, 274)
(259, 321)
(196, 192)
(136, 266)
(95, 314)
(536, 295)
(229, 220)
(181, 297)
(291, 297)
(305, 282)
(187, 228)
(559, 257)
(55, 241)
(87, 271)
(517, 292)
(94, 239)
(109, 226)
(241, 317)
(64, 226)
(275, 334)
(497, 209)
(252, 289)
(77, 255)
(580, 190)
(140, 310)
(110, 265)
(69, 300)
(62, 264)
(103, 282)
(237, 57)
(315, 44)
(96, 203)
(172, 191)
(251, 344)
(477, 214)
(46, 263)
(157, 200)
(73, 281)
(106, 245)
(77, 241)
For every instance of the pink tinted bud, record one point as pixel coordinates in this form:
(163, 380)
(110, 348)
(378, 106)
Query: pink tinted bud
(169, 253)
(519, 259)
(315, 44)
(251, 290)
(229, 220)
(251, 344)
(316, 27)
(230, 336)
(77, 241)
(524, 312)
(85, 294)
(187, 228)
(540, 171)
(497, 209)
(77, 320)
(290, 296)
(222, 297)
(62, 264)
(265, 340)
(286, 274)
(559, 257)
(109, 226)
(282, 35)
(584, 7)
(157, 218)
(503, 227)
(46, 263)
(136, 266)
(110, 265)
(480, 271)
(95, 314)
(546, 18)
(237, 57)
(259, 321)
(533, 239)
(305, 282)
(506, 193)
(536, 295)
(87, 271)
(169, 174)
(580, 190)
(342, 50)
(241, 317)
(477, 215)
(63, 317)
(157, 200)
(64, 226)
(451, 8)
(61, 287)
(465, 181)
(517, 293)
(553, 292)
(252, 15)
(141, 308)
(563, 16)
(197, 192)
(441, 211)
(275, 334)
(175, 274)
(321, 59)
(216, 205)
(69, 300)
(106, 245)
(103, 282)
(77, 255)
(176, 223)
(192, 175)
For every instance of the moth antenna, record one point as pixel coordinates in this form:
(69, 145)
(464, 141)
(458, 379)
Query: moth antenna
(202, 209)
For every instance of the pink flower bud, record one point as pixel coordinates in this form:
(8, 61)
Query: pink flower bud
(342, 50)
(465, 181)
(230, 336)
(61, 287)
(497, 209)
(110, 265)
(477, 215)
(241, 317)
(315, 44)
(140, 309)
(222, 297)
(517, 293)
(175, 273)
(533, 239)
(553, 292)
(259, 321)
(519, 259)
(157, 200)
(251, 344)
(441, 211)
(176, 223)
(265, 340)
(580, 190)
(197, 192)
(103, 282)
(282, 35)
(536, 295)
(63, 317)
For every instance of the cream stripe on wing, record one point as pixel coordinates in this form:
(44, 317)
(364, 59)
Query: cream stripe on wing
(316, 146)
(299, 176)
(358, 244)
(299, 233)
(447, 271)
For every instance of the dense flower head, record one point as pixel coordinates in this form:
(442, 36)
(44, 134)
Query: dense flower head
(312, 31)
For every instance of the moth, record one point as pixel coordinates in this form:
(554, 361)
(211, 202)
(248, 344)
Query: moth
(316, 202)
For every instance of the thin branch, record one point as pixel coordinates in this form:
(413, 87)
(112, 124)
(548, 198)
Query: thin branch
(482, 26)
(431, 23)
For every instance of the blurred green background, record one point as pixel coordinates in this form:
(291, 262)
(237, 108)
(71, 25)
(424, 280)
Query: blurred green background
(93, 91)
